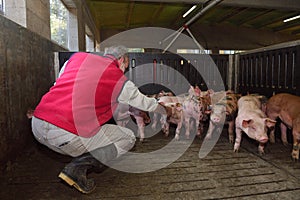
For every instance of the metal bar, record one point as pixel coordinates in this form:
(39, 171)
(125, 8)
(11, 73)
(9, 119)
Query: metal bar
(174, 33)
(196, 42)
(179, 32)
(272, 47)
(202, 11)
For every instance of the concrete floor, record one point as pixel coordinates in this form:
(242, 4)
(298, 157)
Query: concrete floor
(220, 175)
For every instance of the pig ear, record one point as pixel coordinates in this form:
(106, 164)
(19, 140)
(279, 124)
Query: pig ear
(269, 122)
(178, 107)
(246, 123)
(197, 91)
(191, 90)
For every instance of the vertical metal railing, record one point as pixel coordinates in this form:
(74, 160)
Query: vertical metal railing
(270, 70)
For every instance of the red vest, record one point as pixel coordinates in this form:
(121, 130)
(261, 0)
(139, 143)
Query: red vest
(84, 96)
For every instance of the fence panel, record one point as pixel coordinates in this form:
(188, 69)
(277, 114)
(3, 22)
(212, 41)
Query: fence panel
(270, 71)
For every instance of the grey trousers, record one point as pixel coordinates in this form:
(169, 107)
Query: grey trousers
(67, 143)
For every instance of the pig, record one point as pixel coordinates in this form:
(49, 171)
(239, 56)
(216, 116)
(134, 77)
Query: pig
(222, 112)
(124, 112)
(286, 107)
(192, 110)
(162, 97)
(175, 118)
(252, 121)
(184, 109)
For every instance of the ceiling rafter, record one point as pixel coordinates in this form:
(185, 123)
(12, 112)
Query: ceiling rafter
(129, 13)
(156, 14)
(287, 26)
(269, 4)
(276, 20)
(231, 14)
(296, 32)
(254, 17)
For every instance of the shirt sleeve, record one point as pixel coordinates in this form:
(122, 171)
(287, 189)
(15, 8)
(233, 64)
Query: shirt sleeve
(131, 95)
(61, 70)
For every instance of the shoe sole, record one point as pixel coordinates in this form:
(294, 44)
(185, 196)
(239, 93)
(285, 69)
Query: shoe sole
(73, 183)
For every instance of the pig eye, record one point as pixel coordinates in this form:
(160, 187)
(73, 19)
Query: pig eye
(254, 128)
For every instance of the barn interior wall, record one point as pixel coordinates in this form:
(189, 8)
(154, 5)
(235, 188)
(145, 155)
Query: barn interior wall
(26, 73)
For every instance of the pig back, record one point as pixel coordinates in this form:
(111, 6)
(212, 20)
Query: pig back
(248, 102)
(284, 102)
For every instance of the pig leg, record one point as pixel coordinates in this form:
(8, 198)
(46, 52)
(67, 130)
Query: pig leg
(272, 116)
(178, 129)
(296, 139)
(187, 127)
(141, 127)
(238, 139)
(210, 130)
(192, 125)
(283, 134)
(164, 124)
(198, 128)
(155, 119)
(166, 127)
(230, 131)
(272, 136)
(261, 147)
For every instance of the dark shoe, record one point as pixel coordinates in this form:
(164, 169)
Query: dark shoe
(80, 182)
(75, 173)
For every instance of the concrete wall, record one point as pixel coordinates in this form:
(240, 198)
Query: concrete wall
(32, 14)
(26, 73)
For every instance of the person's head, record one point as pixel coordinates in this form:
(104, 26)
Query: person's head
(120, 53)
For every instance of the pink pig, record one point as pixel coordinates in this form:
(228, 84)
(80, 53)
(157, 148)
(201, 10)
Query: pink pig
(124, 112)
(252, 121)
(192, 110)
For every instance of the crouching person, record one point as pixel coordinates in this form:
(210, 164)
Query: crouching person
(72, 117)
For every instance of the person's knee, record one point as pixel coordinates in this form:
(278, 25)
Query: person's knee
(132, 137)
(126, 143)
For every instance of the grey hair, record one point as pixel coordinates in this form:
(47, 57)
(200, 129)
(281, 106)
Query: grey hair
(116, 51)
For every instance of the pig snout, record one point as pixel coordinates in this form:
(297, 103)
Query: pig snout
(263, 139)
(216, 119)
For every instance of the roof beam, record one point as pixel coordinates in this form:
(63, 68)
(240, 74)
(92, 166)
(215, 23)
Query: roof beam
(231, 14)
(254, 17)
(129, 14)
(156, 14)
(286, 26)
(269, 4)
(276, 20)
(296, 32)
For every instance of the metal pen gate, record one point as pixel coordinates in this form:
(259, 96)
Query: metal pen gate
(166, 71)
(153, 72)
(270, 70)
